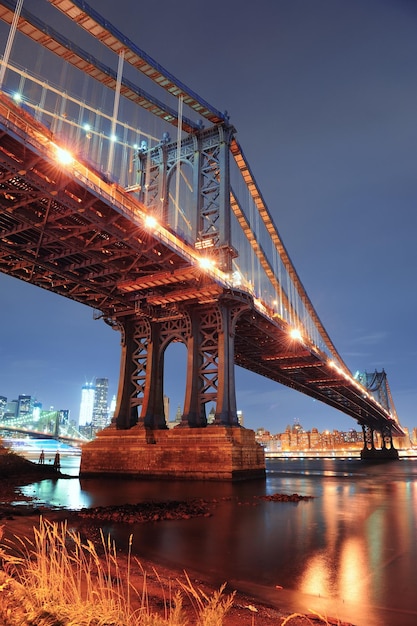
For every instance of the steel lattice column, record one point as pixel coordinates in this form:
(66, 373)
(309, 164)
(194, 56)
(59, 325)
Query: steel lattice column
(201, 365)
(135, 339)
(210, 366)
(226, 411)
(368, 437)
(386, 432)
(208, 333)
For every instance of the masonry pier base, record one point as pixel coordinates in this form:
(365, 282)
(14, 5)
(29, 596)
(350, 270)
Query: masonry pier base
(378, 448)
(212, 453)
(382, 454)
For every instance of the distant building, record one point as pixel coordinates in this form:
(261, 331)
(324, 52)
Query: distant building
(64, 416)
(211, 416)
(177, 420)
(315, 439)
(87, 404)
(36, 412)
(24, 406)
(11, 409)
(3, 403)
(304, 440)
(100, 417)
(263, 437)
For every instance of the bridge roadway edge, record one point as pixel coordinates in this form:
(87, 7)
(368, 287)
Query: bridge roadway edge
(212, 453)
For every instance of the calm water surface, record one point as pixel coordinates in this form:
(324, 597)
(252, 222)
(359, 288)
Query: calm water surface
(350, 552)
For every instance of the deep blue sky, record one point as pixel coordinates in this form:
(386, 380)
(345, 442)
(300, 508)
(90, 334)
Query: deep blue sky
(323, 94)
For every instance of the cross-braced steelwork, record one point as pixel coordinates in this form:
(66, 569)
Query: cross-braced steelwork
(168, 239)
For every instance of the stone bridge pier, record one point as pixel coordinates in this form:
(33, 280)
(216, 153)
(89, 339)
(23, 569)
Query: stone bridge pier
(371, 450)
(138, 442)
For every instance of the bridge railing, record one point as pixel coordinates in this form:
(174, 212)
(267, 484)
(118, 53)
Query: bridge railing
(88, 130)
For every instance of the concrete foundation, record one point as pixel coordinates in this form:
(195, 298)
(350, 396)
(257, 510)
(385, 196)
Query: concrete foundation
(379, 454)
(211, 453)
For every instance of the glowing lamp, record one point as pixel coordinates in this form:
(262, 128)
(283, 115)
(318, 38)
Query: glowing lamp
(150, 222)
(205, 263)
(63, 156)
(295, 334)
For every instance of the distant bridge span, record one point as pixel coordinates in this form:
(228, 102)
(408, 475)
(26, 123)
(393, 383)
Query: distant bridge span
(175, 256)
(36, 434)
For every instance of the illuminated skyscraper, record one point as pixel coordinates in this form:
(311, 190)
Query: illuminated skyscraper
(101, 410)
(36, 413)
(3, 403)
(87, 404)
(25, 406)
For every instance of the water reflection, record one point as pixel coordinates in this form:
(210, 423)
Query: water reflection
(61, 493)
(351, 550)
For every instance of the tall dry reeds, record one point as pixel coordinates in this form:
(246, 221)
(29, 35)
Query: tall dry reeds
(56, 579)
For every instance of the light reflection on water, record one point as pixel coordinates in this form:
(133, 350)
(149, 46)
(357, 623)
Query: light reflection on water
(350, 551)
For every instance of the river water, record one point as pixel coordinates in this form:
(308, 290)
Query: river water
(349, 552)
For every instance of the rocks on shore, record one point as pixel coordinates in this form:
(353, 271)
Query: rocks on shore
(169, 510)
(148, 511)
(283, 497)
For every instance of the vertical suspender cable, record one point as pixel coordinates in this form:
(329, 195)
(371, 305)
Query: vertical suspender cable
(115, 111)
(178, 162)
(10, 40)
(125, 162)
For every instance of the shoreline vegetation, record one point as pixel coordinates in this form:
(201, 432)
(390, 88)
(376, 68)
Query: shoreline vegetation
(93, 582)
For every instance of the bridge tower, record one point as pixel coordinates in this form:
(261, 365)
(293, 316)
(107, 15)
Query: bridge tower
(138, 442)
(377, 440)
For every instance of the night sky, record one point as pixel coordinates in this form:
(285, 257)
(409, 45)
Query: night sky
(323, 94)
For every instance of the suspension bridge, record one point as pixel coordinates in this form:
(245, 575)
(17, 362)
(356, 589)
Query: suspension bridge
(49, 427)
(167, 238)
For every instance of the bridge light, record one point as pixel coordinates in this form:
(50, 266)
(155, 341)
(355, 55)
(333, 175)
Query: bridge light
(295, 334)
(87, 129)
(17, 97)
(63, 156)
(150, 222)
(206, 263)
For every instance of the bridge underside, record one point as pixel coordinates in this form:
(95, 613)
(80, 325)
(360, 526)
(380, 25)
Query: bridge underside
(71, 232)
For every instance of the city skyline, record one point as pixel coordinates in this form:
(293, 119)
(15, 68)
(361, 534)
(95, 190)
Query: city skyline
(323, 100)
(95, 408)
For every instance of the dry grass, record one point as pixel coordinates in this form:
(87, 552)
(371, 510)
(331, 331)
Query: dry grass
(57, 580)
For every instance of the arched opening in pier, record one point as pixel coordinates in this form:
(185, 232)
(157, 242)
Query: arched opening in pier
(175, 372)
